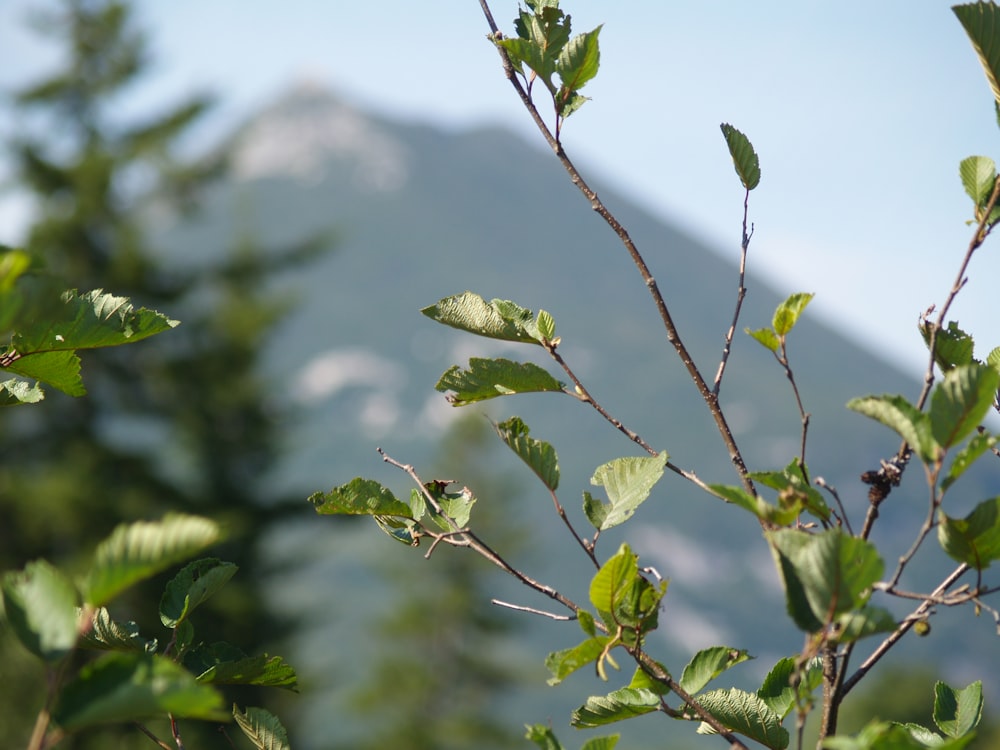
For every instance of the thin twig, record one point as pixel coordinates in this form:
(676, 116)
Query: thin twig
(673, 336)
(741, 293)
(532, 610)
(160, 743)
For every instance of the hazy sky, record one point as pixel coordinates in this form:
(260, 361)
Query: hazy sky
(860, 112)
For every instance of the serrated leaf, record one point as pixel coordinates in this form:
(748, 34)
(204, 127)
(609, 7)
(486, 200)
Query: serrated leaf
(747, 714)
(960, 402)
(40, 607)
(978, 175)
(488, 378)
(766, 338)
(993, 358)
(609, 584)
(137, 551)
(607, 742)
(14, 392)
(616, 706)
(563, 663)
(787, 313)
(539, 455)
(108, 635)
(457, 506)
(708, 664)
(777, 691)
(795, 493)
(976, 447)
(868, 620)
(958, 712)
(898, 414)
(981, 22)
(628, 482)
(825, 575)
(262, 670)
(262, 728)
(745, 159)
(360, 497)
(546, 325)
(625, 600)
(975, 539)
(952, 345)
(60, 369)
(129, 687)
(579, 60)
(194, 584)
(498, 319)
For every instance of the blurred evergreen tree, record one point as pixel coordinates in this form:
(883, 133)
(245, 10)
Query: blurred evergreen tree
(184, 423)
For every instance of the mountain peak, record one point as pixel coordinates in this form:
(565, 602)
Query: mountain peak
(309, 130)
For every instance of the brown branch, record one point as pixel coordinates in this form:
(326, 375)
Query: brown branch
(741, 293)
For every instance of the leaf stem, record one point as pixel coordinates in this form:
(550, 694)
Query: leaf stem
(741, 293)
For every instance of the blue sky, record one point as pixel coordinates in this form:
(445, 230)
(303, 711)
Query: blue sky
(860, 112)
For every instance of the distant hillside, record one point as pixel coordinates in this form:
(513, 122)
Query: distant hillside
(422, 213)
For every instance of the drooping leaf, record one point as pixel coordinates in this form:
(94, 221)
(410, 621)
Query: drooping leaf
(952, 345)
(708, 664)
(108, 635)
(137, 551)
(965, 457)
(975, 539)
(498, 319)
(626, 601)
(60, 369)
(195, 583)
(642, 679)
(895, 412)
(540, 456)
(130, 687)
(488, 378)
(777, 690)
(766, 338)
(960, 402)
(360, 497)
(615, 706)
(747, 714)
(563, 663)
(40, 606)
(579, 60)
(745, 159)
(978, 175)
(825, 575)
(868, 620)
(628, 482)
(958, 712)
(262, 728)
(981, 22)
(787, 313)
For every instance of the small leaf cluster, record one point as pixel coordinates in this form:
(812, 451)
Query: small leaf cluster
(544, 44)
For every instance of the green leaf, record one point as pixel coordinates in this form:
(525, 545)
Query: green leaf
(967, 456)
(262, 670)
(40, 606)
(457, 506)
(14, 392)
(868, 620)
(625, 600)
(641, 679)
(360, 497)
(563, 663)
(825, 575)
(579, 60)
(137, 551)
(975, 539)
(608, 586)
(787, 313)
(499, 319)
(586, 622)
(766, 338)
(952, 345)
(744, 157)
(108, 635)
(546, 325)
(958, 712)
(489, 378)
(262, 728)
(616, 706)
(978, 174)
(540, 456)
(993, 358)
(543, 736)
(194, 584)
(777, 691)
(541, 37)
(60, 369)
(960, 402)
(981, 22)
(747, 714)
(628, 482)
(608, 742)
(795, 493)
(898, 414)
(881, 735)
(708, 664)
(129, 687)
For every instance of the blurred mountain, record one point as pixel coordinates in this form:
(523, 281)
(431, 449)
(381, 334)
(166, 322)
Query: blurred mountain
(421, 213)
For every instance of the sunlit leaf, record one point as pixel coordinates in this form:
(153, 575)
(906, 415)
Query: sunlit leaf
(262, 670)
(106, 634)
(579, 60)
(194, 584)
(543, 736)
(130, 687)
(616, 706)
(360, 497)
(766, 338)
(978, 174)
(540, 456)
(895, 412)
(498, 319)
(960, 402)
(745, 159)
(137, 551)
(40, 607)
(868, 620)
(958, 712)
(708, 664)
(563, 663)
(975, 539)
(747, 714)
(967, 456)
(777, 690)
(628, 482)
(981, 22)
(952, 345)
(787, 313)
(262, 728)
(489, 378)
(14, 392)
